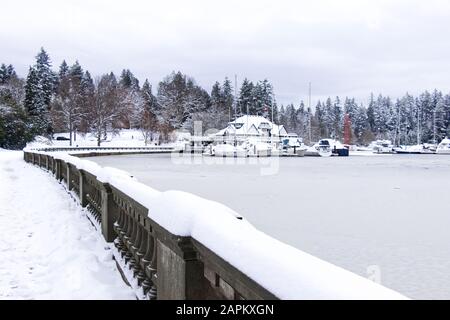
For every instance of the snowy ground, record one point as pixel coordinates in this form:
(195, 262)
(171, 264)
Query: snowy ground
(385, 213)
(48, 248)
(124, 138)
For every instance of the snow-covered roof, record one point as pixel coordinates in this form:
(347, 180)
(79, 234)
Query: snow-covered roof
(252, 126)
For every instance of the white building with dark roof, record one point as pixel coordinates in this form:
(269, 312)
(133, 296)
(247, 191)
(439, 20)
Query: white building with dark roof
(255, 127)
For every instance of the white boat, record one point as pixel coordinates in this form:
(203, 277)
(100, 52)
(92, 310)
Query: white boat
(228, 150)
(257, 149)
(320, 149)
(327, 148)
(324, 148)
(293, 147)
(416, 149)
(382, 146)
(444, 147)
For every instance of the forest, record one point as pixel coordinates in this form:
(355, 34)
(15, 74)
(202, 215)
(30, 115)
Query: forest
(70, 99)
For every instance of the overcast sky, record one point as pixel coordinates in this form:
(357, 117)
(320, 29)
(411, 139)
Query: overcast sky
(345, 48)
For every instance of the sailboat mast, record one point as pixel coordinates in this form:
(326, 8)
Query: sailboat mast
(309, 112)
(434, 126)
(235, 105)
(418, 125)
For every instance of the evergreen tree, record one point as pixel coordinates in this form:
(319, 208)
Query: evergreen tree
(39, 89)
(338, 119)
(291, 118)
(88, 91)
(282, 118)
(320, 121)
(14, 128)
(360, 125)
(131, 101)
(245, 101)
(371, 114)
(7, 73)
(227, 92)
(182, 102)
(329, 118)
(147, 114)
(219, 108)
(275, 117)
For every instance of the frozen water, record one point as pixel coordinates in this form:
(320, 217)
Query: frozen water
(383, 213)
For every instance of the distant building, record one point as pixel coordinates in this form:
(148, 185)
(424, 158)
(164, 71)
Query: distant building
(253, 127)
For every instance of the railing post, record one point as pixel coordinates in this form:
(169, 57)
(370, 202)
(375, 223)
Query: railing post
(180, 273)
(69, 178)
(54, 167)
(58, 169)
(110, 213)
(83, 194)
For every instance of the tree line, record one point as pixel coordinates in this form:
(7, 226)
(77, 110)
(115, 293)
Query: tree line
(71, 100)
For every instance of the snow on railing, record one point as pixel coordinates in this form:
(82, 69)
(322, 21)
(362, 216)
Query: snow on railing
(175, 245)
(97, 151)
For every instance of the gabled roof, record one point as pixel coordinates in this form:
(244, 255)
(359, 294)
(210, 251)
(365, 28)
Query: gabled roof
(252, 125)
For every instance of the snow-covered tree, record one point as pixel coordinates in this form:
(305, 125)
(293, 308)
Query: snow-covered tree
(6, 73)
(67, 104)
(39, 89)
(147, 113)
(14, 127)
(360, 125)
(105, 107)
(131, 101)
(245, 100)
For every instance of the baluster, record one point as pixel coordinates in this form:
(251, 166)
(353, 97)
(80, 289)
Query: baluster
(140, 253)
(97, 204)
(125, 233)
(146, 260)
(137, 243)
(129, 238)
(118, 226)
(131, 241)
(118, 241)
(151, 270)
(123, 230)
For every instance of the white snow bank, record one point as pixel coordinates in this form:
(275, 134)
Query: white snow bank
(283, 270)
(122, 138)
(48, 249)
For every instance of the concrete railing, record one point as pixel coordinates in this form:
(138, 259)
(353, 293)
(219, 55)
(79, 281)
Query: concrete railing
(163, 265)
(106, 151)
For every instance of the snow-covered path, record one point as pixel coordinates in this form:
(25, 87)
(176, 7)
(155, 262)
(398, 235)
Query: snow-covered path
(48, 248)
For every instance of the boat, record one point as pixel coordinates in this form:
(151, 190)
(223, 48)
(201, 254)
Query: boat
(382, 146)
(327, 148)
(443, 147)
(227, 150)
(293, 147)
(323, 148)
(257, 148)
(416, 149)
